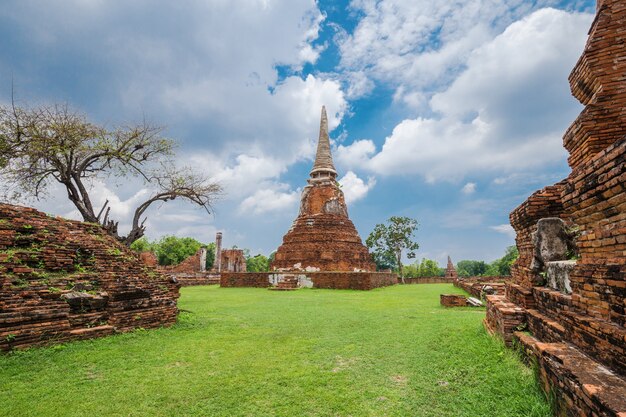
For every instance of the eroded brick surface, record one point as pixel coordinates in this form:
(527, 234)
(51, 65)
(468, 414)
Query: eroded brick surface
(328, 280)
(322, 237)
(62, 280)
(577, 334)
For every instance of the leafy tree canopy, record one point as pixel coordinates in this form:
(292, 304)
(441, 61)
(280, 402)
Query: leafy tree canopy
(258, 263)
(499, 267)
(172, 250)
(392, 239)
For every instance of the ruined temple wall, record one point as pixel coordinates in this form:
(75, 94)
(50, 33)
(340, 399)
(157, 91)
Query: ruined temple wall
(328, 280)
(233, 260)
(64, 280)
(588, 324)
(543, 203)
(427, 280)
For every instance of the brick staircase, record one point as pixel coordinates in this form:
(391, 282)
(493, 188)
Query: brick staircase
(287, 284)
(583, 383)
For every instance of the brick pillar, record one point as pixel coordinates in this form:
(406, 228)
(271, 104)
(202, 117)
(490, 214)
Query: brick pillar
(218, 252)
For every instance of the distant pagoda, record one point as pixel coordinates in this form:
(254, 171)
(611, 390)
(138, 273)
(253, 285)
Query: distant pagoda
(450, 271)
(322, 237)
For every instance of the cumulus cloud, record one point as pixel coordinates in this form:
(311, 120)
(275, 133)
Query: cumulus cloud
(355, 154)
(413, 44)
(506, 111)
(506, 229)
(269, 200)
(354, 188)
(469, 188)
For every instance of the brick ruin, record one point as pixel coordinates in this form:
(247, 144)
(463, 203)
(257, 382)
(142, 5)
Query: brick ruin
(314, 279)
(322, 246)
(451, 270)
(232, 260)
(568, 285)
(64, 280)
(192, 270)
(322, 237)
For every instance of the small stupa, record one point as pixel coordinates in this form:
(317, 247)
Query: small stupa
(450, 270)
(322, 237)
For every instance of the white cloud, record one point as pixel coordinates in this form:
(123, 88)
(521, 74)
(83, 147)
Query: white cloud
(469, 188)
(506, 229)
(419, 43)
(269, 200)
(356, 154)
(354, 188)
(507, 111)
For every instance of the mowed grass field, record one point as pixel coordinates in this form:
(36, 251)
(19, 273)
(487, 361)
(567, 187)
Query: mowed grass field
(252, 352)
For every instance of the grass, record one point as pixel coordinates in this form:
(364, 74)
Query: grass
(253, 352)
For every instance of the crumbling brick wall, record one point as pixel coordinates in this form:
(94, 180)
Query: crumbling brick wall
(588, 322)
(453, 300)
(475, 285)
(427, 280)
(62, 280)
(149, 258)
(233, 260)
(328, 280)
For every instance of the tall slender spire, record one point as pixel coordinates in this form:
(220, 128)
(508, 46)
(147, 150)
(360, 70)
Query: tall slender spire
(323, 158)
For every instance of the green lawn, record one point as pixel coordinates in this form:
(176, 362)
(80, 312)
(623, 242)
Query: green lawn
(253, 352)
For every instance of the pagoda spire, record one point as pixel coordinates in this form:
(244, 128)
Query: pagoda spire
(323, 166)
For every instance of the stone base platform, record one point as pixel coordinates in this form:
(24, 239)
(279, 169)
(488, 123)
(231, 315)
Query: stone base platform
(576, 382)
(329, 280)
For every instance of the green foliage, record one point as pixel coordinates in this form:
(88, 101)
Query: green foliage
(251, 352)
(502, 266)
(499, 267)
(384, 260)
(425, 268)
(172, 250)
(468, 268)
(142, 245)
(390, 240)
(210, 255)
(258, 263)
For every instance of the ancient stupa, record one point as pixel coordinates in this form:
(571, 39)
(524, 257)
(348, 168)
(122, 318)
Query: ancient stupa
(322, 237)
(450, 270)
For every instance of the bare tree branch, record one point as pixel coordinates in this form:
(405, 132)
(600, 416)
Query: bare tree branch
(53, 142)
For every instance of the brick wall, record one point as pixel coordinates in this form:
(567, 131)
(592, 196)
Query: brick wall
(579, 339)
(453, 300)
(427, 280)
(62, 280)
(329, 280)
(245, 279)
(474, 285)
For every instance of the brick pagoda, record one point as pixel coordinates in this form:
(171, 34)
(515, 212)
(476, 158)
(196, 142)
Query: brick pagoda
(322, 237)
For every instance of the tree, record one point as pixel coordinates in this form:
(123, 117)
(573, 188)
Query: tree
(258, 263)
(502, 266)
(210, 256)
(471, 268)
(172, 250)
(430, 268)
(47, 144)
(143, 245)
(424, 268)
(392, 239)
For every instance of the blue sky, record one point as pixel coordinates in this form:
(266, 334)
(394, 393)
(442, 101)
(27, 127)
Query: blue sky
(448, 112)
